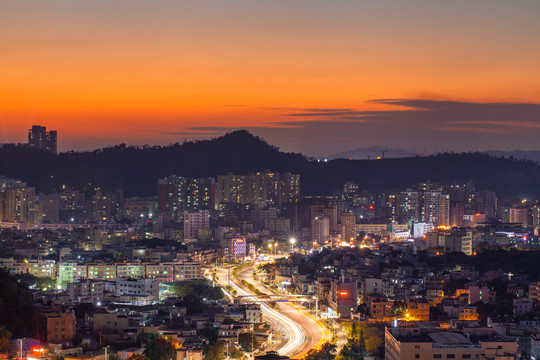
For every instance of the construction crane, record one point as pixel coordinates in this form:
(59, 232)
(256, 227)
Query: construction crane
(382, 151)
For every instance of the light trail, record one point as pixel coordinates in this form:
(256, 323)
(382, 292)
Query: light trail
(295, 333)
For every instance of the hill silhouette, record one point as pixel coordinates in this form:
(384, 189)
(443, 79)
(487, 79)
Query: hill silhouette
(136, 169)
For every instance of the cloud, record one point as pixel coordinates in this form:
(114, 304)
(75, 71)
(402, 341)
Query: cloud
(405, 123)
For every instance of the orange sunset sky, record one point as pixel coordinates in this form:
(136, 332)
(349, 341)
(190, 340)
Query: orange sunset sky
(311, 76)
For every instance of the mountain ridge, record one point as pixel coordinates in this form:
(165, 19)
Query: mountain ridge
(137, 169)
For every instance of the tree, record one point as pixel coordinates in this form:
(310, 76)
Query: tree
(214, 351)
(44, 283)
(192, 303)
(82, 309)
(208, 335)
(236, 354)
(156, 347)
(5, 338)
(138, 357)
(17, 312)
(327, 352)
(248, 342)
(355, 347)
(202, 289)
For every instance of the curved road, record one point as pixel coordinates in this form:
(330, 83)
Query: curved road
(304, 331)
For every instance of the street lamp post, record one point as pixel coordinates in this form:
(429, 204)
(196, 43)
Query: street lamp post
(292, 241)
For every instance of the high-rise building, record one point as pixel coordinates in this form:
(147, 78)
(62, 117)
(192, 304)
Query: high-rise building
(409, 206)
(457, 211)
(171, 196)
(351, 190)
(200, 193)
(73, 206)
(486, 203)
(177, 194)
(230, 189)
(460, 241)
(194, 221)
(105, 207)
(436, 208)
(262, 188)
(40, 138)
(18, 202)
(49, 208)
(320, 229)
(520, 215)
(348, 226)
(238, 247)
(289, 188)
(391, 206)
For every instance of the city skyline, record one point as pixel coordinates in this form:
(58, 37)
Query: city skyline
(309, 77)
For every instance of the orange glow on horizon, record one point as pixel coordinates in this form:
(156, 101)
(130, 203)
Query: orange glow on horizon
(151, 73)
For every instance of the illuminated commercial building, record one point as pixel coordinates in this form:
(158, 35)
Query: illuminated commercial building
(238, 247)
(344, 296)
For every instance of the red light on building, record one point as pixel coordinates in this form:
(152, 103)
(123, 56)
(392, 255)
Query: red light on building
(371, 207)
(343, 293)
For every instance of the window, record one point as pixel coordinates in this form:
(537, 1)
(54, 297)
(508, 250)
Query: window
(437, 356)
(417, 356)
(466, 356)
(450, 356)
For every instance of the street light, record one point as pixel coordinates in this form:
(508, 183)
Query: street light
(293, 241)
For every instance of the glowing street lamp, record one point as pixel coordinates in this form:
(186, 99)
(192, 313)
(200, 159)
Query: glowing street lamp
(292, 241)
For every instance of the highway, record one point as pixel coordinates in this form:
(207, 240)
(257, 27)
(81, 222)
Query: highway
(302, 330)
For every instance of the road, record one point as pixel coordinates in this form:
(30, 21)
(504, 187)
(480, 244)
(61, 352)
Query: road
(303, 331)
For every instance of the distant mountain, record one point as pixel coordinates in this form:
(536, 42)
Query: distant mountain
(372, 152)
(533, 155)
(137, 169)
